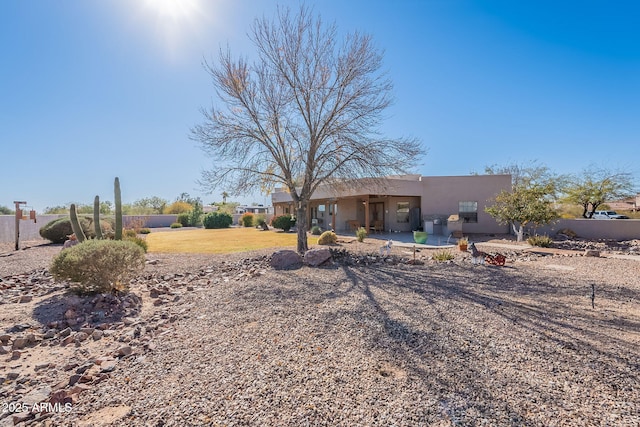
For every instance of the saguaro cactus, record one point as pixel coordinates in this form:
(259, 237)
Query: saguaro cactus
(118, 202)
(75, 224)
(96, 217)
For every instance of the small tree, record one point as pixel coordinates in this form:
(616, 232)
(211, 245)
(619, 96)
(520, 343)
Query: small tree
(524, 205)
(595, 186)
(6, 211)
(307, 112)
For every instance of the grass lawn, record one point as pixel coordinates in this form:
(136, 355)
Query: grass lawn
(220, 241)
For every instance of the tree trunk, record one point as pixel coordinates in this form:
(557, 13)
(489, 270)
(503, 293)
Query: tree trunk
(519, 232)
(301, 224)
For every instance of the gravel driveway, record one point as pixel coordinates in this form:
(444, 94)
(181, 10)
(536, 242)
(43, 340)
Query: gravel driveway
(444, 344)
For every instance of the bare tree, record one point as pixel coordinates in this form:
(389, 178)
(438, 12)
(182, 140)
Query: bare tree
(306, 112)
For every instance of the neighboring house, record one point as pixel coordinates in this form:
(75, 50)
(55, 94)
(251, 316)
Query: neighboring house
(630, 204)
(440, 203)
(257, 209)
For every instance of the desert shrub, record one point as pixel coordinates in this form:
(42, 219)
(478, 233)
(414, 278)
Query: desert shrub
(217, 220)
(259, 220)
(284, 222)
(177, 208)
(176, 225)
(316, 231)
(568, 232)
(145, 230)
(542, 241)
(443, 255)
(96, 266)
(184, 219)
(57, 230)
(361, 233)
(129, 233)
(247, 219)
(135, 223)
(195, 216)
(138, 241)
(327, 238)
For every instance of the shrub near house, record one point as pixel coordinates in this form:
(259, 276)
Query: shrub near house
(284, 222)
(217, 220)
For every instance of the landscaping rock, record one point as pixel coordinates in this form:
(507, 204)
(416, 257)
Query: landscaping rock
(316, 257)
(285, 260)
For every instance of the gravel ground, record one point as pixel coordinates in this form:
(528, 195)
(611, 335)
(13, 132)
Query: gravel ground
(444, 344)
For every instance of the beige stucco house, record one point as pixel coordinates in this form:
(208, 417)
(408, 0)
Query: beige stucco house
(441, 204)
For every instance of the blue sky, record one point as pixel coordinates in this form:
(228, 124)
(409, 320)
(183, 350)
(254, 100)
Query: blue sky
(90, 89)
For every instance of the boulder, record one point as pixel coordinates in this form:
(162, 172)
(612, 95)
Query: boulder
(316, 257)
(286, 259)
(591, 253)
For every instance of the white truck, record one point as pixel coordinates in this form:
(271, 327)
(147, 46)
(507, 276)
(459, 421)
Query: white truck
(608, 215)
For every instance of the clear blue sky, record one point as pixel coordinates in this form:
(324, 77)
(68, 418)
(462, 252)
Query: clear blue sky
(90, 89)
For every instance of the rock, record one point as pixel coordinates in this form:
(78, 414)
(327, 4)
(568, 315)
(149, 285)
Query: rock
(16, 354)
(73, 379)
(87, 331)
(12, 375)
(37, 396)
(20, 417)
(5, 338)
(125, 350)
(77, 389)
(316, 257)
(50, 334)
(65, 332)
(97, 334)
(68, 340)
(70, 314)
(80, 336)
(108, 365)
(25, 298)
(591, 253)
(5, 349)
(19, 343)
(286, 259)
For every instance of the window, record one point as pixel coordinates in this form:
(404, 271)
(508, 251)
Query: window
(468, 211)
(402, 213)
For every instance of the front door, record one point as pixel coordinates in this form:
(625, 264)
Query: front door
(376, 214)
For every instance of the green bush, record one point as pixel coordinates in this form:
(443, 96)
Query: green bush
(541, 241)
(259, 220)
(247, 219)
(57, 230)
(443, 255)
(284, 222)
(195, 216)
(145, 230)
(316, 231)
(328, 238)
(361, 233)
(176, 225)
(138, 241)
(184, 219)
(217, 220)
(96, 266)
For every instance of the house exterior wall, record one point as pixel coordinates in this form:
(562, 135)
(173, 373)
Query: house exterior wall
(434, 196)
(441, 196)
